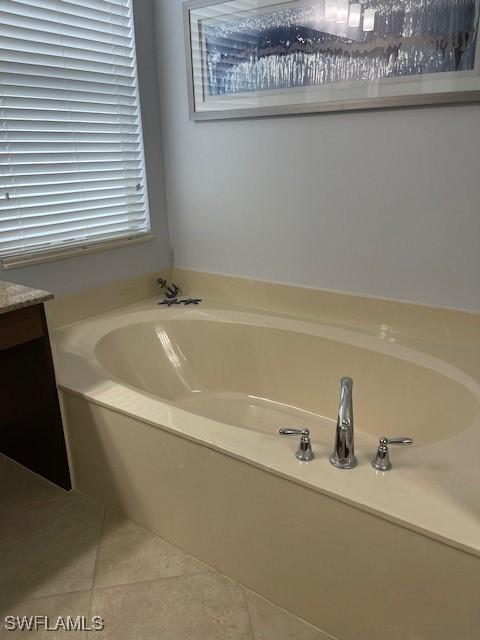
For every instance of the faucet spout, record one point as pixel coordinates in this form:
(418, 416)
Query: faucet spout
(343, 455)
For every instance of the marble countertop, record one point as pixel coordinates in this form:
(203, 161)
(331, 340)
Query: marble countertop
(16, 296)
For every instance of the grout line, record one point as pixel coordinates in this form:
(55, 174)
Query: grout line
(55, 593)
(99, 542)
(100, 537)
(135, 582)
(246, 590)
(252, 628)
(208, 569)
(15, 505)
(150, 532)
(293, 615)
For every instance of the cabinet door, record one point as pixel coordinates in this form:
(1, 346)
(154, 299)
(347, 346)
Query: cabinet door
(31, 429)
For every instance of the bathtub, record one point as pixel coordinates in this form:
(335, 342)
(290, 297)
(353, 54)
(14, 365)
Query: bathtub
(173, 415)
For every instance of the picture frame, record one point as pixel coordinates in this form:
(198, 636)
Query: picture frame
(250, 58)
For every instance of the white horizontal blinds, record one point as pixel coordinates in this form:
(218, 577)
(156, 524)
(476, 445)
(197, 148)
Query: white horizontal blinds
(71, 152)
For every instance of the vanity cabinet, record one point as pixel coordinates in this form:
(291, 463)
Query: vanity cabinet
(31, 430)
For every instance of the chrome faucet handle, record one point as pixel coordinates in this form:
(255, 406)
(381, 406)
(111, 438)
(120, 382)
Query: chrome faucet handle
(304, 451)
(381, 461)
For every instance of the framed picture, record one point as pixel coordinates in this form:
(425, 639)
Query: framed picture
(269, 57)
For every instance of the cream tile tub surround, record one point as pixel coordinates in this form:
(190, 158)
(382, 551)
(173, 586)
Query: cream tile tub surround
(378, 315)
(172, 417)
(229, 379)
(113, 295)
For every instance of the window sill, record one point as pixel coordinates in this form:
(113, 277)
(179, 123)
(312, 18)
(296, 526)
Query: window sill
(59, 253)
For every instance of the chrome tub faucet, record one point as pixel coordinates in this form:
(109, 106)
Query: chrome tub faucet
(343, 456)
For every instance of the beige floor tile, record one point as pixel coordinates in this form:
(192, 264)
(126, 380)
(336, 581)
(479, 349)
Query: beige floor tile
(128, 553)
(63, 604)
(18, 485)
(48, 548)
(145, 588)
(203, 606)
(270, 622)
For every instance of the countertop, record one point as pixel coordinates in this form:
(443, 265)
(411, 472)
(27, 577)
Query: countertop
(16, 296)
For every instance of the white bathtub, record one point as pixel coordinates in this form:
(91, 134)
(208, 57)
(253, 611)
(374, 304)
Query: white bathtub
(224, 380)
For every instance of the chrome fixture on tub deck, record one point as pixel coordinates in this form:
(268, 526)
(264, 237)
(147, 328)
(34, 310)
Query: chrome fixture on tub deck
(343, 456)
(304, 451)
(381, 461)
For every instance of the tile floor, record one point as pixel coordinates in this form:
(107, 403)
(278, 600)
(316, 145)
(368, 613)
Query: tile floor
(64, 554)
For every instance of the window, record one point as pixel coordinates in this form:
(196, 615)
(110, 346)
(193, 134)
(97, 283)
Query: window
(72, 171)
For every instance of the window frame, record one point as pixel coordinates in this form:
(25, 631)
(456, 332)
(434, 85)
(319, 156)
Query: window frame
(81, 247)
